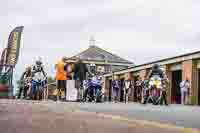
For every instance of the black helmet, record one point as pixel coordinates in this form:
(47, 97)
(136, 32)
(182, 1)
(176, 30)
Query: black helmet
(156, 66)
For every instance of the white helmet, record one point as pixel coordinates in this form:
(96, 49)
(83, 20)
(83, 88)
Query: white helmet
(38, 61)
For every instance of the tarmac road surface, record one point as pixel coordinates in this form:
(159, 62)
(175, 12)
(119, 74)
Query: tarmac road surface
(50, 117)
(179, 115)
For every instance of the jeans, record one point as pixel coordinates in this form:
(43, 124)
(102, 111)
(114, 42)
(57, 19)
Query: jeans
(183, 97)
(34, 87)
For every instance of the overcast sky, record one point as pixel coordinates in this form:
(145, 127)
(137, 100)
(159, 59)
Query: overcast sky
(138, 30)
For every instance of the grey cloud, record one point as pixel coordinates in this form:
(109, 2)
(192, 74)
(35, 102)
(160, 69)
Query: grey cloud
(139, 30)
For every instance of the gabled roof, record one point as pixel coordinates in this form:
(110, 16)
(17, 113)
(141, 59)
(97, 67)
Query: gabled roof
(94, 53)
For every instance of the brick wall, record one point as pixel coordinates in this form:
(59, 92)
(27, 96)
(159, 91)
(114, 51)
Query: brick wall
(143, 74)
(187, 68)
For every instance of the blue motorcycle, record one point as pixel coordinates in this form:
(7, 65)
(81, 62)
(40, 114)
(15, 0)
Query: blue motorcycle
(38, 86)
(93, 91)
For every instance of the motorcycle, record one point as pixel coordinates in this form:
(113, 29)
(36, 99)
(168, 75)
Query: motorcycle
(93, 91)
(38, 86)
(155, 87)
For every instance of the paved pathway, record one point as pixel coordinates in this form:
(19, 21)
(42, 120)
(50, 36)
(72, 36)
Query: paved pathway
(50, 117)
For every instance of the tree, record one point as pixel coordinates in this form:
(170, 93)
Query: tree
(51, 82)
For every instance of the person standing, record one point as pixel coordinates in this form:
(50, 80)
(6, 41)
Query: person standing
(69, 71)
(127, 88)
(38, 73)
(184, 85)
(138, 89)
(61, 77)
(80, 71)
(165, 87)
(115, 88)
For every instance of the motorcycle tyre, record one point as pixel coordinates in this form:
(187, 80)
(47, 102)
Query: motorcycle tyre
(155, 101)
(98, 99)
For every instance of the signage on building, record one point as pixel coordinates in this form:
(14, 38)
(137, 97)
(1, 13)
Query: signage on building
(176, 67)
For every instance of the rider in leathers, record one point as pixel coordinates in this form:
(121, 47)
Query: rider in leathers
(156, 70)
(37, 68)
(25, 83)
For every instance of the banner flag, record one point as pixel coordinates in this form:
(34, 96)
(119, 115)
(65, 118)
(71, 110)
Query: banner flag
(13, 47)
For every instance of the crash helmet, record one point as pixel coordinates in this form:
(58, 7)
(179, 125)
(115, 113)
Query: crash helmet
(38, 62)
(156, 66)
(92, 68)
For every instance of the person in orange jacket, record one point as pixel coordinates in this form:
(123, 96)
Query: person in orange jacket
(61, 76)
